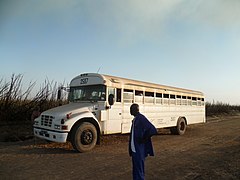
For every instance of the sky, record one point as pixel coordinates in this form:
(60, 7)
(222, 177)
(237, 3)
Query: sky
(192, 44)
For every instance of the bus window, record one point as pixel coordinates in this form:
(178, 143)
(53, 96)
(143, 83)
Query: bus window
(165, 98)
(199, 103)
(111, 91)
(172, 99)
(119, 95)
(184, 100)
(149, 97)
(189, 100)
(139, 97)
(194, 101)
(178, 100)
(203, 102)
(159, 98)
(128, 96)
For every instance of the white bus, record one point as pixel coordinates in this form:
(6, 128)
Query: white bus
(99, 104)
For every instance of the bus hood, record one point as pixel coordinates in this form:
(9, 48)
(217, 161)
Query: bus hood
(72, 108)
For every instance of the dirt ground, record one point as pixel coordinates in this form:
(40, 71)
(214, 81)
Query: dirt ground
(206, 151)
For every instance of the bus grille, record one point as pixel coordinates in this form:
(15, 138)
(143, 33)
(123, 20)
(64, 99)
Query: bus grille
(46, 120)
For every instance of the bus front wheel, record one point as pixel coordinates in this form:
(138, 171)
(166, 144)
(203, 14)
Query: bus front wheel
(84, 137)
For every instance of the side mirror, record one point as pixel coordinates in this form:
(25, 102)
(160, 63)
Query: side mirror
(111, 99)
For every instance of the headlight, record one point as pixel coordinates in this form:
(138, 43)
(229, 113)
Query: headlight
(57, 126)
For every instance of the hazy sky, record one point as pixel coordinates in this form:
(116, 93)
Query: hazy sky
(192, 44)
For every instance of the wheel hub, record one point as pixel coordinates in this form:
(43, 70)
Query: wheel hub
(86, 137)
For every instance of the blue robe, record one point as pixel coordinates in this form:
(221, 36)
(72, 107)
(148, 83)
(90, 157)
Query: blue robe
(143, 130)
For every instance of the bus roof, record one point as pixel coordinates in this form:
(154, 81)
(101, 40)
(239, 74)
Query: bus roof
(118, 82)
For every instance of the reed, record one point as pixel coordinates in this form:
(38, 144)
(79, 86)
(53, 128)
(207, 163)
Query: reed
(16, 105)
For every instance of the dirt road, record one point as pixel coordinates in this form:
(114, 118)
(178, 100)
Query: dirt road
(206, 151)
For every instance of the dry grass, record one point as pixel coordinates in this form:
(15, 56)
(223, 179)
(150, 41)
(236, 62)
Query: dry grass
(17, 106)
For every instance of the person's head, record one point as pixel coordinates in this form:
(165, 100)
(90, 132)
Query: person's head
(134, 109)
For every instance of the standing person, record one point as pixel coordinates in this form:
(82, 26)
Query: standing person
(140, 144)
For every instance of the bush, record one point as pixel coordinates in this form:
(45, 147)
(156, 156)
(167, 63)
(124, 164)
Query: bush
(220, 108)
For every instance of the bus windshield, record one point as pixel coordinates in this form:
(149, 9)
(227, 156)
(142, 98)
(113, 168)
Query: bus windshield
(87, 93)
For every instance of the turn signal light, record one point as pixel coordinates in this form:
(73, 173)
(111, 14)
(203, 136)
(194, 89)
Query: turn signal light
(64, 127)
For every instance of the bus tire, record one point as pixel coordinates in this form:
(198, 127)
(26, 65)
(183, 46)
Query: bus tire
(84, 137)
(181, 126)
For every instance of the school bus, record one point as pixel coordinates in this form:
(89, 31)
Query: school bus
(100, 104)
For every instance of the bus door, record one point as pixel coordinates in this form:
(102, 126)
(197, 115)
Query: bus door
(114, 122)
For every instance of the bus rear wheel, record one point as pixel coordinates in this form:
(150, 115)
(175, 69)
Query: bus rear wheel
(181, 126)
(84, 137)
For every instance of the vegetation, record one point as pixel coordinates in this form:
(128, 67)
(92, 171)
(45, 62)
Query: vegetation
(16, 105)
(219, 108)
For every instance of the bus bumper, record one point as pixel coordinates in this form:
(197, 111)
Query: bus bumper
(51, 135)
